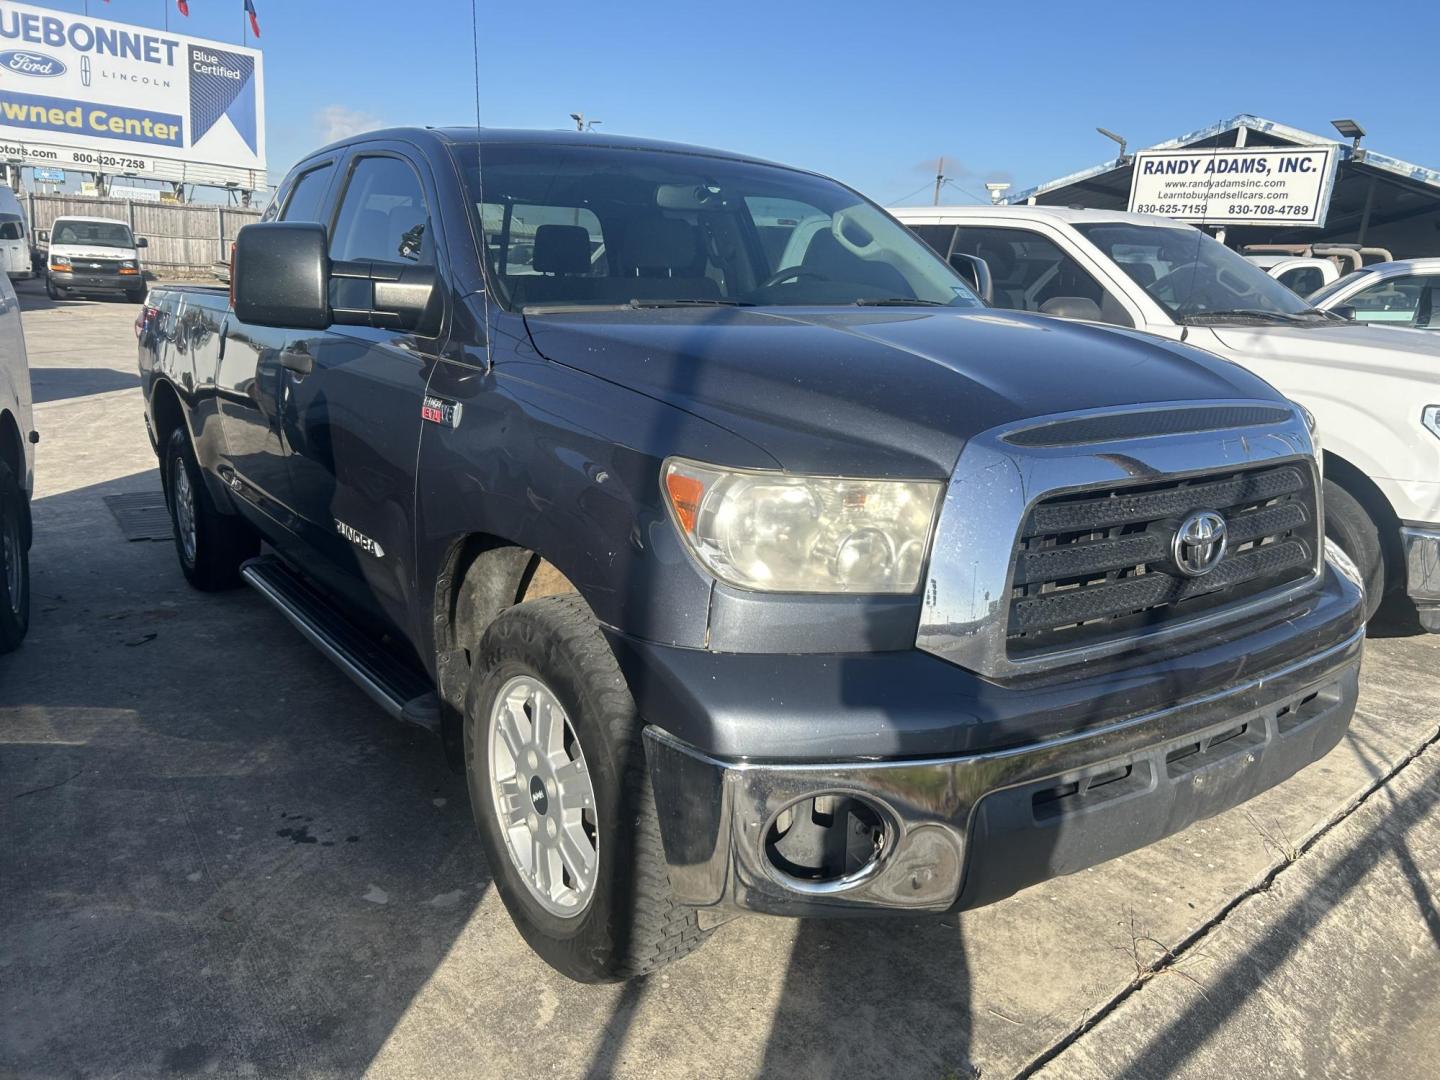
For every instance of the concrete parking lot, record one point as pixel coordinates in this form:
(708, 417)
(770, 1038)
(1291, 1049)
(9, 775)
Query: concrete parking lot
(218, 858)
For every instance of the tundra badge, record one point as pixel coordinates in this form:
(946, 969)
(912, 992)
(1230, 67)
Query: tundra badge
(359, 539)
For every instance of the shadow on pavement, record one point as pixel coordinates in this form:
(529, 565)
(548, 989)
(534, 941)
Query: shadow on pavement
(1173, 1045)
(218, 853)
(58, 384)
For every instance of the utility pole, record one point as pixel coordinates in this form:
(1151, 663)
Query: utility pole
(939, 179)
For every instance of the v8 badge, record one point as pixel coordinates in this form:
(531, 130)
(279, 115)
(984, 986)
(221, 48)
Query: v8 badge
(439, 411)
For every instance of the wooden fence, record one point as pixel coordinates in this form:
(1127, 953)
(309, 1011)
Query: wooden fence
(184, 240)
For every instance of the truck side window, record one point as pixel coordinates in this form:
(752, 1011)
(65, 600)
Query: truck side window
(937, 236)
(306, 195)
(1393, 301)
(1029, 270)
(383, 215)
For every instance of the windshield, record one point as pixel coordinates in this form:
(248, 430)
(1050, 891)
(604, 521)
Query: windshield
(581, 226)
(91, 233)
(1319, 297)
(1190, 274)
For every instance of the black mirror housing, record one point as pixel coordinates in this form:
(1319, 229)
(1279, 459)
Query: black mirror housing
(141, 242)
(282, 275)
(1345, 311)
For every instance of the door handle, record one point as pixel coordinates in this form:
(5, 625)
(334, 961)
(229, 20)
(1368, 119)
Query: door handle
(297, 360)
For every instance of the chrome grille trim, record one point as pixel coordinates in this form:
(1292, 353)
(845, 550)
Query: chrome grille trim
(997, 484)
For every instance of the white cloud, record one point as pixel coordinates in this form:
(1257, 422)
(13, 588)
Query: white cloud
(340, 121)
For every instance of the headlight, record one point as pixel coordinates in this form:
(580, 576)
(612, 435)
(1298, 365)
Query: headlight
(127, 264)
(1314, 426)
(60, 260)
(1430, 417)
(776, 532)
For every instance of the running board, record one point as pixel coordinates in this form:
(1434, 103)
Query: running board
(393, 685)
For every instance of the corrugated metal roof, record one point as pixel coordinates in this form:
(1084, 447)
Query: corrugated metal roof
(1282, 133)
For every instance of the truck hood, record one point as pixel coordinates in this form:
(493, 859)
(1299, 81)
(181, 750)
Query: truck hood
(1381, 350)
(878, 391)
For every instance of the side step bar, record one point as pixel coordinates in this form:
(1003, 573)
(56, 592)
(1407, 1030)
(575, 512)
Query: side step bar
(393, 685)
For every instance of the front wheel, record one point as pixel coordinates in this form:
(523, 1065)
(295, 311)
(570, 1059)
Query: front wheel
(52, 291)
(211, 545)
(14, 563)
(561, 795)
(1350, 526)
(135, 296)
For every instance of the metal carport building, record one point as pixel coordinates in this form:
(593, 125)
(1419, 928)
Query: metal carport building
(1377, 200)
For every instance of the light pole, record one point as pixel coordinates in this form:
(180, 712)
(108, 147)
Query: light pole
(581, 124)
(1124, 157)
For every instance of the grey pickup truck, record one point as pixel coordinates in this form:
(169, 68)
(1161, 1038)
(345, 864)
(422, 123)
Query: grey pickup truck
(739, 555)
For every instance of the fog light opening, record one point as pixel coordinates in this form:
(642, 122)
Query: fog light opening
(827, 839)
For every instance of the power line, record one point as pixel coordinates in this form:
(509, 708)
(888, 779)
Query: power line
(902, 198)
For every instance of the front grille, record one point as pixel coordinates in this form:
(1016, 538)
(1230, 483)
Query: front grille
(94, 266)
(1095, 565)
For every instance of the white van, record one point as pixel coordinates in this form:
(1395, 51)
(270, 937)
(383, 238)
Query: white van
(93, 255)
(14, 237)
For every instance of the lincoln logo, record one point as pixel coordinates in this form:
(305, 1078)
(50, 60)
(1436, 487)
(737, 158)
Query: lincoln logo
(1199, 543)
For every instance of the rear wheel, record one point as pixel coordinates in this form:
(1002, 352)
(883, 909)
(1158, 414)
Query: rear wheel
(211, 545)
(1351, 527)
(14, 563)
(560, 790)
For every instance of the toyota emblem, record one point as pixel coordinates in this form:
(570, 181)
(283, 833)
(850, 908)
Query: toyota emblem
(1199, 543)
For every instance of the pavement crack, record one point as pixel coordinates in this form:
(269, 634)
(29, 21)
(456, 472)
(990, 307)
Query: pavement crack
(1169, 959)
(50, 787)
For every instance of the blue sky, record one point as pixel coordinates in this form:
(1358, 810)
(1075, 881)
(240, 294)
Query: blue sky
(871, 93)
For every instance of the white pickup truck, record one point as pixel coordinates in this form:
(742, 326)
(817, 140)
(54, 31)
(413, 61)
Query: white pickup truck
(1375, 391)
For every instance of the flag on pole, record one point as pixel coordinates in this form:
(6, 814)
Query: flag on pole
(184, 6)
(254, 19)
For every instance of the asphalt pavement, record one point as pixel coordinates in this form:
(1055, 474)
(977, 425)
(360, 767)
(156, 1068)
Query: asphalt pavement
(218, 858)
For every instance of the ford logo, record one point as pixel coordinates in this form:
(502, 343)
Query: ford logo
(31, 63)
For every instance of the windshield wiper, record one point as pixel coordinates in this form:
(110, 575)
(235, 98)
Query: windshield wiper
(899, 301)
(685, 302)
(1201, 318)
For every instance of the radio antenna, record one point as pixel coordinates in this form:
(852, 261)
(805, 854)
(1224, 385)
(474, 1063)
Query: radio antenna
(480, 190)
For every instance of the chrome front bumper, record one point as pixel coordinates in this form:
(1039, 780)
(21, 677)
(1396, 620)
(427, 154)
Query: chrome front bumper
(1422, 572)
(966, 831)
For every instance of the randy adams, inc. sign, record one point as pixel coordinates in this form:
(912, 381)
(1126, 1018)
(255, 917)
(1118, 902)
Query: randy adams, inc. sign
(1261, 186)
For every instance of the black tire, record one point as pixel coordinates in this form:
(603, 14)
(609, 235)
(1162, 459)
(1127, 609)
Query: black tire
(14, 563)
(219, 543)
(632, 924)
(52, 291)
(135, 296)
(1351, 527)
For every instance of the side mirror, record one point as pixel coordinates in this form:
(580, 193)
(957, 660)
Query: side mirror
(42, 236)
(1345, 311)
(140, 242)
(281, 275)
(976, 271)
(385, 295)
(1072, 307)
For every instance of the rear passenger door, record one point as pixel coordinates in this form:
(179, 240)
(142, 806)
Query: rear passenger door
(352, 421)
(1032, 272)
(249, 374)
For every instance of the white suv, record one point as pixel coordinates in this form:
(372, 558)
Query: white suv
(1375, 391)
(17, 439)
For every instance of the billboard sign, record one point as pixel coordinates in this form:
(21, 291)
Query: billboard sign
(1262, 186)
(100, 96)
